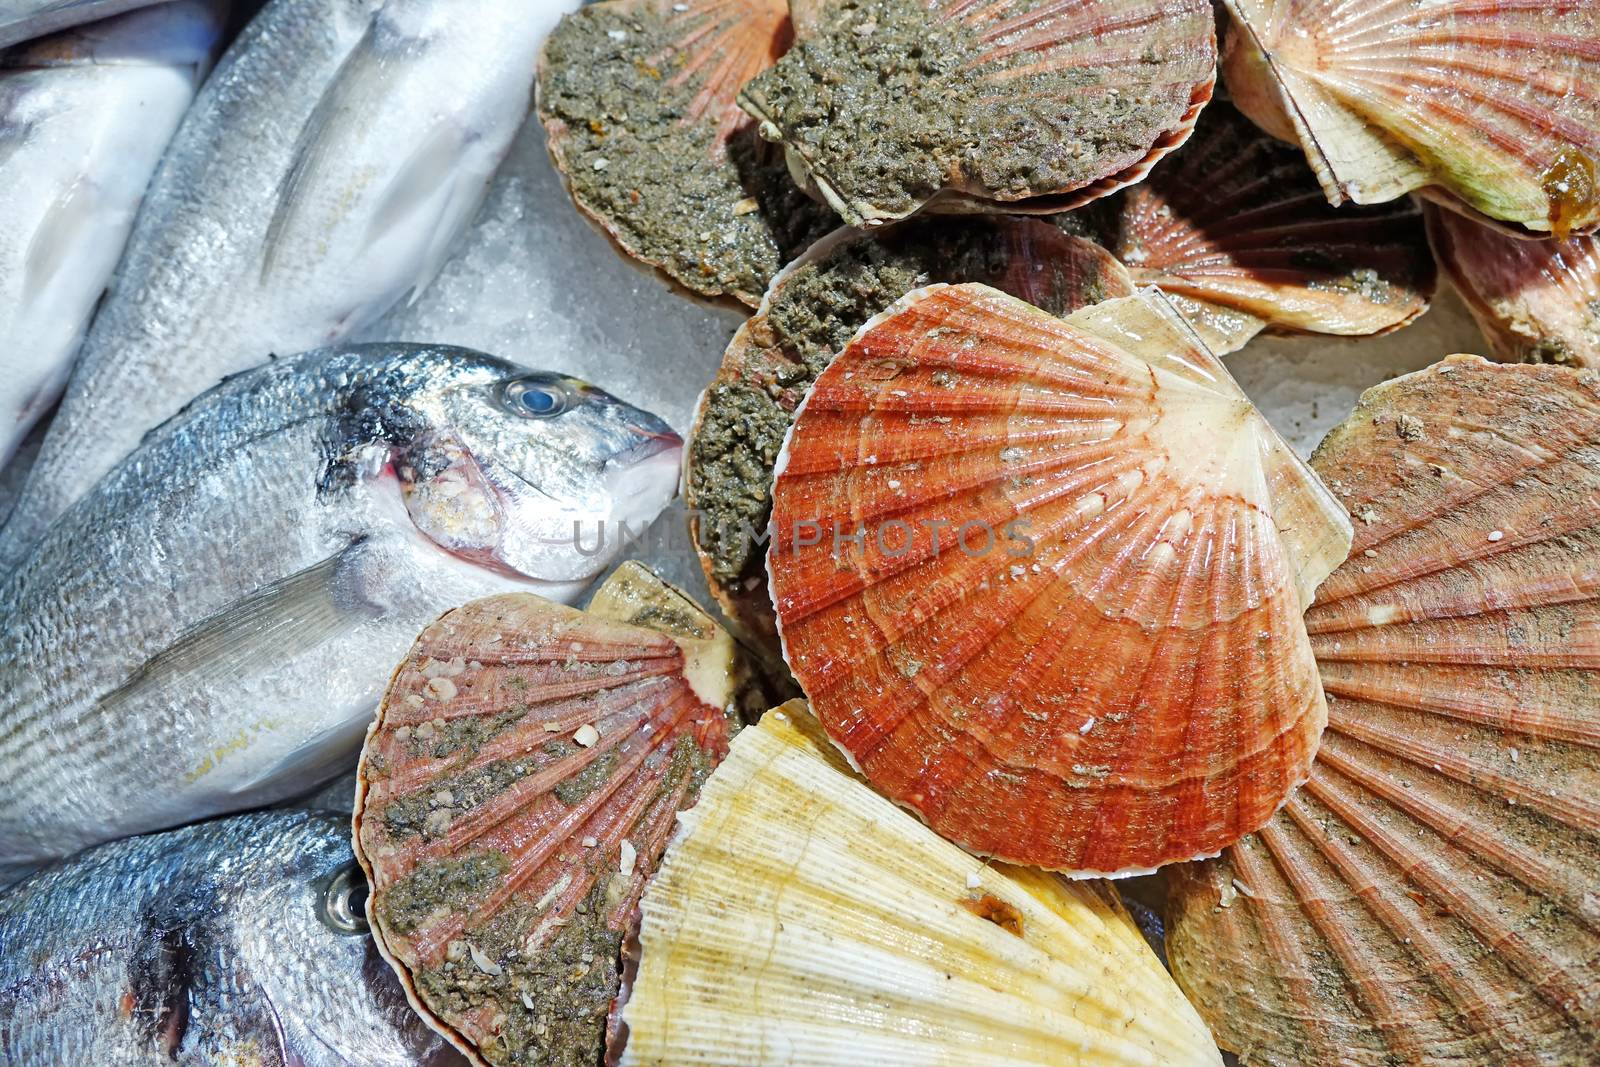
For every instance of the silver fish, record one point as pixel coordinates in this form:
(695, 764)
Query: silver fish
(84, 118)
(208, 630)
(231, 942)
(25, 20)
(320, 176)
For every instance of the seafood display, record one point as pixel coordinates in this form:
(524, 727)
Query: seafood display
(321, 175)
(1536, 301)
(84, 118)
(972, 477)
(811, 312)
(236, 941)
(801, 918)
(638, 99)
(334, 378)
(1489, 108)
(884, 107)
(1235, 230)
(517, 790)
(333, 505)
(1428, 897)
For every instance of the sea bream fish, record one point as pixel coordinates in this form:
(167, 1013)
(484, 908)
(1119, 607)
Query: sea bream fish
(25, 20)
(321, 175)
(239, 941)
(210, 628)
(84, 118)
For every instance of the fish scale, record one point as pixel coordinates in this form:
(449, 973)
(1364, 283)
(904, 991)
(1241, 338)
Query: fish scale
(214, 943)
(313, 545)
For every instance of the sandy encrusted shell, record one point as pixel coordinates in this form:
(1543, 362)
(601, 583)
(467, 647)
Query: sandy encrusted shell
(1429, 896)
(638, 99)
(1042, 579)
(1534, 300)
(515, 793)
(800, 918)
(812, 309)
(885, 106)
(1491, 106)
(1235, 229)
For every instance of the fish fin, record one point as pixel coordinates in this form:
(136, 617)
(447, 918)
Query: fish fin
(62, 231)
(272, 624)
(347, 105)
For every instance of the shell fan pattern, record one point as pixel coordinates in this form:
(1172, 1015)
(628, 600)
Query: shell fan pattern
(637, 97)
(801, 918)
(1429, 896)
(1236, 231)
(811, 311)
(1489, 107)
(1100, 665)
(517, 790)
(1537, 301)
(880, 102)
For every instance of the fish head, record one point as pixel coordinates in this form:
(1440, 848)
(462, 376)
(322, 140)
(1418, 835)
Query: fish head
(537, 474)
(305, 950)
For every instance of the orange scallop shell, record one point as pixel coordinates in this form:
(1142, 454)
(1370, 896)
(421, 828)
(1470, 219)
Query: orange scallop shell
(1005, 106)
(1489, 106)
(1534, 300)
(1428, 897)
(1100, 665)
(516, 791)
(774, 357)
(1236, 230)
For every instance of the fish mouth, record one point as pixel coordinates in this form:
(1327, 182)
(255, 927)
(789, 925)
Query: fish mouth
(652, 442)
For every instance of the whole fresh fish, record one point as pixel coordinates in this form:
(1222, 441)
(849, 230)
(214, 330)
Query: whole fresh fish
(240, 941)
(319, 177)
(24, 20)
(208, 630)
(84, 118)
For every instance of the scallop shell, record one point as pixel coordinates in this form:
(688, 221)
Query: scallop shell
(638, 99)
(1236, 230)
(1100, 665)
(810, 312)
(515, 793)
(1534, 300)
(1490, 105)
(800, 918)
(880, 103)
(1429, 896)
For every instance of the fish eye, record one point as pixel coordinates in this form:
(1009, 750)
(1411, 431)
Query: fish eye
(344, 904)
(535, 400)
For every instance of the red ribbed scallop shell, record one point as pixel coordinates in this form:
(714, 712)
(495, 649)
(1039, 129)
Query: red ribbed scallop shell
(1237, 231)
(517, 790)
(1490, 105)
(637, 97)
(885, 106)
(812, 308)
(1429, 897)
(1534, 300)
(1106, 671)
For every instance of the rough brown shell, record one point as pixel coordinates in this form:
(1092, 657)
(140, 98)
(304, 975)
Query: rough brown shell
(1429, 896)
(517, 790)
(884, 106)
(638, 99)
